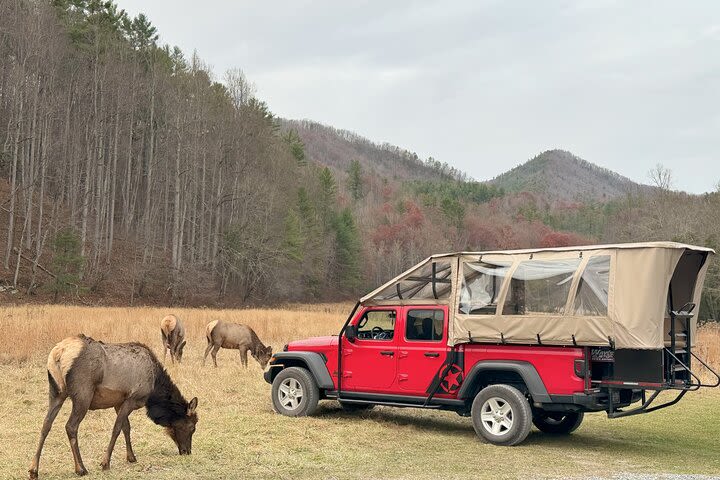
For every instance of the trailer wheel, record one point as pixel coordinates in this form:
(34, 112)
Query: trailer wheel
(295, 392)
(560, 423)
(501, 415)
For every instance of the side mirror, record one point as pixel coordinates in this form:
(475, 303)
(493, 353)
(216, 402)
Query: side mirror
(351, 333)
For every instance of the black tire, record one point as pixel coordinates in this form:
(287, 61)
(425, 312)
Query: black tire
(356, 407)
(501, 415)
(300, 394)
(558, 423)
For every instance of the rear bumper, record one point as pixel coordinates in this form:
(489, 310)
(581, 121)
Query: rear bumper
(595, 401)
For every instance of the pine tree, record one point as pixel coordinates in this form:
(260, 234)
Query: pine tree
(67, 261)
(454, 211)
(306, 209)
(326, 200)
(347, 238)
(297, 147)
(294, 238)
(355, 182)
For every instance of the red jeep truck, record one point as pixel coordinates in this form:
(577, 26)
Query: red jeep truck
(512, 338)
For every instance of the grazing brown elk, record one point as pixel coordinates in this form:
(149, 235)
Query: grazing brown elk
(232, 335)
(173, 337)
(126, 377)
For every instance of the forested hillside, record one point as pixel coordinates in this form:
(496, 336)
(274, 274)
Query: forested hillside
(131, 174)
(338, 148)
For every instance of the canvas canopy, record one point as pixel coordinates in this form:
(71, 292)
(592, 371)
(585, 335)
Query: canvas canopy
(617, 295)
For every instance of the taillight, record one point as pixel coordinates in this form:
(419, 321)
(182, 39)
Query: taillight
(580, 368)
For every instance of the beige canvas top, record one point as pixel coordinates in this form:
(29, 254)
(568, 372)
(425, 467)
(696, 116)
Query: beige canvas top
(591, 295)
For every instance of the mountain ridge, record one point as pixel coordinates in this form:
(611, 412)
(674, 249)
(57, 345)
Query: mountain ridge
(562, 175)
(557, 174)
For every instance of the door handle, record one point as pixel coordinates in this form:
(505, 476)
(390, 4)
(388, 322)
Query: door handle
(432, 354)
(388, 353)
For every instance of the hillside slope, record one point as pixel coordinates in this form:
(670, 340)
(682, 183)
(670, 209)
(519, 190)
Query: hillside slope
(336, 148)
(560, 175)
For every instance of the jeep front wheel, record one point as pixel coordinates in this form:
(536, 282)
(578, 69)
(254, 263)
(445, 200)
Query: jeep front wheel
(295, 392)
(501, 415)
(557, 422)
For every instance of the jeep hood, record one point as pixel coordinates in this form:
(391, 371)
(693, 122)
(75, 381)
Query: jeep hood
(327, 341)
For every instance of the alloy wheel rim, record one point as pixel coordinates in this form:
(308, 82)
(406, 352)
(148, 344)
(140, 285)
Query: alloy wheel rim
(290, 394)
(496, 416)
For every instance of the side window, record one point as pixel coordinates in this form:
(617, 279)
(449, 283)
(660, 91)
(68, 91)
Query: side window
(540, 287)
(425, 325)
(592, 294)
(377, 325)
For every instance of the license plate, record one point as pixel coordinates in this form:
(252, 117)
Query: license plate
(602, 355)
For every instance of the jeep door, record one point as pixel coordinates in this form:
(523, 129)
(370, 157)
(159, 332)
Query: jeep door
(422, 348)
(369, 362)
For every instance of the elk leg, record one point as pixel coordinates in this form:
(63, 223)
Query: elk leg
(79, 409)
(207, 350)
(126, 433)
(165, 345)
(214, 354)
(243, 356)
(170, 345)
(120, 421)
(56, 402)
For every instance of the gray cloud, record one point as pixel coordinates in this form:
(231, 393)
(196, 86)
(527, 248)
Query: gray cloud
(483, 85)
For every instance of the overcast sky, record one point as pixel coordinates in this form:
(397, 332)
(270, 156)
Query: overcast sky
(482, 85)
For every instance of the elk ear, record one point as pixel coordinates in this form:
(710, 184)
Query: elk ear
(192, 406)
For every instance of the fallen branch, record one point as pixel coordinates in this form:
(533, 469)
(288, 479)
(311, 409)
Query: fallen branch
(75, 285)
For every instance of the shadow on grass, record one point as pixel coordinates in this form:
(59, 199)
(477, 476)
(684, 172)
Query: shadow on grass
(588, 440)
(403, 417)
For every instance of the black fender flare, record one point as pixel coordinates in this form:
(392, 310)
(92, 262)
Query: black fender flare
(311, 360)
(526, 370)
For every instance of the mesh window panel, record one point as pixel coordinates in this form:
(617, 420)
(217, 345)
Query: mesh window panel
(592, 295)
(480, 288)
(540, 287)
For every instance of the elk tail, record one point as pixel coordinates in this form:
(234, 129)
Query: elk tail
(168, 324)
(60, 361)
(208, 330)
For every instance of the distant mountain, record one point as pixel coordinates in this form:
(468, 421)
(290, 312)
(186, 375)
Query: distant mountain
(560, 175)
(336, 148)
(556, 175)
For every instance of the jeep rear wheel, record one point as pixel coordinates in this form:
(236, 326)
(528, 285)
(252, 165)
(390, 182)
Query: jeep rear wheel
(557, 422)
(501, 415)
(295, 392)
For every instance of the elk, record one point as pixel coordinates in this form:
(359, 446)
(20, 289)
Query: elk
(126, 377)
(221, 334)
(173, 337)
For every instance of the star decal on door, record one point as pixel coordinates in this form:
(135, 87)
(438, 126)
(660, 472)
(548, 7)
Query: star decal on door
(452, 380)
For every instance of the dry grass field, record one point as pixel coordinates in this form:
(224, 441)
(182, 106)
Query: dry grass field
(239, 436)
